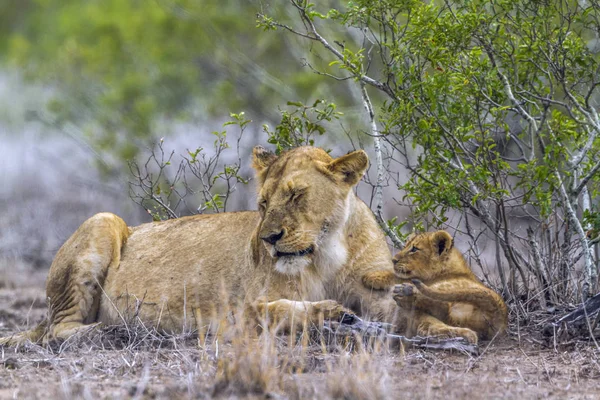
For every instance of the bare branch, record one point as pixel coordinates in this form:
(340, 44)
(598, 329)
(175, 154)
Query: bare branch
(590, 270)
(380, 169)
(584, 181)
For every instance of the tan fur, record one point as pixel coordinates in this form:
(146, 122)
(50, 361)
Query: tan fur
(188, 271)
(438, 286)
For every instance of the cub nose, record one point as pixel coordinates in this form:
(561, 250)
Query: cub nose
(273, 237)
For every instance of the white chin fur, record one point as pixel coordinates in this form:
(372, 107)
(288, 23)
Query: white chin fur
(291, 265)
(331, 253)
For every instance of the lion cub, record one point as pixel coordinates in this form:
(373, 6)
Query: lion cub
(445, 297)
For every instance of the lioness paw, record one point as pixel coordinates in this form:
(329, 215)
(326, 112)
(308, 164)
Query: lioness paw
(260, 304)
(453, 332)
(331, 309)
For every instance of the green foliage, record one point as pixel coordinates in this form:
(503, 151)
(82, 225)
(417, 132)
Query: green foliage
(299, 126)
(452, 68)
(491, 106)
(591, 218)
(397, 228)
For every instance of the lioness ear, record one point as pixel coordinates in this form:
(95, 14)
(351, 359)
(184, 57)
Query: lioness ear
(350, 167)
(442, 242)
(262, 158)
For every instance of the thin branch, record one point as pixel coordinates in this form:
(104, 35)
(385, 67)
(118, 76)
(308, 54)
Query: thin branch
(380, 169)
(316, 71)
(314, 35)
(582, 184)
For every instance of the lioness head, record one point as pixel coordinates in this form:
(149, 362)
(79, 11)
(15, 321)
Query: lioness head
(424, 256)
(304, 199)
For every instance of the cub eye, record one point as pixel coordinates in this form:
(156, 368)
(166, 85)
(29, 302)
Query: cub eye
(413, 250)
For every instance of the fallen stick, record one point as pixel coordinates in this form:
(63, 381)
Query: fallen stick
(351, 326)
(590, 309)
(580, 321)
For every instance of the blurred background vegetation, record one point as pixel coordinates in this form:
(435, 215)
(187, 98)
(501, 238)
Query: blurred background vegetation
(87, 87)
(123, 71)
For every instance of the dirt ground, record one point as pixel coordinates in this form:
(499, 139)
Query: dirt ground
(136, 364)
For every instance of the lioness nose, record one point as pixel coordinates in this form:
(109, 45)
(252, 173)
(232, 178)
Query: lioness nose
(272, 238)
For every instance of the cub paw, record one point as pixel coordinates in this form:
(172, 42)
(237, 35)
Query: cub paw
(379, 280)
(403, 294)
(404, 290)
(469, 335)
(12, 341)
(417, 283)
(454, 332)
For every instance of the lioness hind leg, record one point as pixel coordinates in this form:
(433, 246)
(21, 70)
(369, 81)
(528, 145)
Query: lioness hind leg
(78, 272)
(431, 326)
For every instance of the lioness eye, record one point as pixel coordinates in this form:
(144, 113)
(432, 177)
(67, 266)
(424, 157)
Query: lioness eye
(262, 204)
(414, 249)
(296, 194)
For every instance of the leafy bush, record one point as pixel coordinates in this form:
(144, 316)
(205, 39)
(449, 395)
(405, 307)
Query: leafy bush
(491, 108)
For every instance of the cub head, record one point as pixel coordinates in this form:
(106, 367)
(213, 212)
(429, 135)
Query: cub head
(305, 199)
(425, 256)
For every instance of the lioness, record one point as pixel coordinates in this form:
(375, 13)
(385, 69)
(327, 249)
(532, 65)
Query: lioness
(445, 296)
(312, 239)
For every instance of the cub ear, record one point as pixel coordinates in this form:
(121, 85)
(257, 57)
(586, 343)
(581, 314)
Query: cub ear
(262, 158)
(351, 167)
(442, 242)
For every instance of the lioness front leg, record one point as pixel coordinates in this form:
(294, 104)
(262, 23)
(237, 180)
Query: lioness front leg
(289, 315)
(379, 280)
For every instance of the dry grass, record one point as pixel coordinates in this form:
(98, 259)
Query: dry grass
(136, 361)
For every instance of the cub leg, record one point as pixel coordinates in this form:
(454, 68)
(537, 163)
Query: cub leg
(485, 300)
(467, 292)
(408, 297)
(428, 325)
(78, 272)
